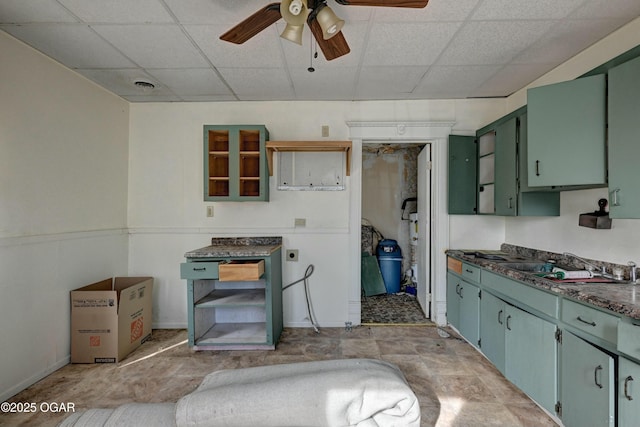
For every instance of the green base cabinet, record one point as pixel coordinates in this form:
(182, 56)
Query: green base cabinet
(463, 307)
(235, 163)
(492, 330)
(587, 384)
(233, 315)
(628, 393)
(624, 140)
(567, 133)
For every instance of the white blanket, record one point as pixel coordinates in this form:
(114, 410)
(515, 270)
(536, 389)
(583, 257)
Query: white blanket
(351, 392)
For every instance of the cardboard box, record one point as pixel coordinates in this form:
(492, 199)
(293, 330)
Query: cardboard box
(110, 319)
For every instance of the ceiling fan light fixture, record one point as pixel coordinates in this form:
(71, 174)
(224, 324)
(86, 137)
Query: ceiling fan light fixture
(329, 22)
(293, 33)
(294, 12)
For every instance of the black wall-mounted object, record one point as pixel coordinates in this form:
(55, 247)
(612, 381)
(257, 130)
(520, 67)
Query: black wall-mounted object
(598, 219)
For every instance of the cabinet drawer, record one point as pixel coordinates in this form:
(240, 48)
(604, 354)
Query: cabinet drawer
(471, 272)
(629, 338)
(199, 270)
(587, 319)
(454, 265)
(521, 293)
(241, 270)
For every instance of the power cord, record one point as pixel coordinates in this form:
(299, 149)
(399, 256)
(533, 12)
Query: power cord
(308, 272)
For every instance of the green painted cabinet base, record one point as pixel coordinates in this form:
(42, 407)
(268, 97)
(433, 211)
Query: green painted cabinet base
(232, 315)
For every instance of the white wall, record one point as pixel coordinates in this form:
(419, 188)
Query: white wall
(618, 245)
(63, 186)
(167, 214)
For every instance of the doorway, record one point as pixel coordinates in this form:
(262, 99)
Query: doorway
(396, 206)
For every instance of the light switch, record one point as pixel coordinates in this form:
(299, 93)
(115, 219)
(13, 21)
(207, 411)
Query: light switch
(209, 211)
(325, 130)
(300, 222)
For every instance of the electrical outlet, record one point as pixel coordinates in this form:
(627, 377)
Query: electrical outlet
(209, 211)
(291, 255)
(325, 130)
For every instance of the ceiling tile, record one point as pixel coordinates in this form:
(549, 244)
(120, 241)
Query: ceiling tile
(626, 9)
(21, 11)
(492, 43)
(191, 81)
(74, 45)
(564, 40)
(225, 12)
(119, 11)
(387, 82)
(508, 80)
(326, 83)
(262, 50)
(455, 81)
(256, 84)
(407, 43)
(524, 9)
(153, 46)
(121, 81)
(436, 11)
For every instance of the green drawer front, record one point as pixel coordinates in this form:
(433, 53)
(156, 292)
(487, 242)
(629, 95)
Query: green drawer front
(629, 338)
(590, 320)
(199, 270)
(534, 298)
(471, 272)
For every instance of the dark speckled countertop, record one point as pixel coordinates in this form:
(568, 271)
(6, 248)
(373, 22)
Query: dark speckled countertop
(622, 299)
(226, 247)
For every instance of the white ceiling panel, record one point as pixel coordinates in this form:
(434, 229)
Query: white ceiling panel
(74, 45)
(450, 49)
(21, 11)
(265, 50)
(118, 11)
(191, 81)
(408, 43)
(153, 46)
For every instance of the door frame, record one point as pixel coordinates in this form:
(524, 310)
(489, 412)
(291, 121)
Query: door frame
(436, 134)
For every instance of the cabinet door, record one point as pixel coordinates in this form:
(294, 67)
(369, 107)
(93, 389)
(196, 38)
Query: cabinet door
(235, 163)
(505, 178)
(453, 300)
(566, 133)
(492, 317)
(587, 390)
(628, 393)
(624, 140)
(469, 312)
(462, 175)
(531, 356)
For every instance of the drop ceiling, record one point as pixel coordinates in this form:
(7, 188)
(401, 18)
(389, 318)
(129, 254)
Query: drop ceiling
(450, 49)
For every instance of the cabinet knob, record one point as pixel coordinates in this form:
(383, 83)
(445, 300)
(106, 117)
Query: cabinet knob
(626, 387)
(614, 193)
(595, 376)
(537, 167)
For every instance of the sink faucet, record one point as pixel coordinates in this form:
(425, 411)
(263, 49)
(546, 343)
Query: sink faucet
(603, 269)
(632, 272)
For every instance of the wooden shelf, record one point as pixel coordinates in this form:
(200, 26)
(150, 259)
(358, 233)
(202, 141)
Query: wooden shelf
(308, 146)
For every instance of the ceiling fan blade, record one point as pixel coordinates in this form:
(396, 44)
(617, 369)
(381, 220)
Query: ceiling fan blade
(418, 4)
(253, 24)
(333, 48)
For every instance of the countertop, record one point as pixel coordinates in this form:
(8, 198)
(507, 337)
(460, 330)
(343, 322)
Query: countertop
(622, 299)
(229, 247)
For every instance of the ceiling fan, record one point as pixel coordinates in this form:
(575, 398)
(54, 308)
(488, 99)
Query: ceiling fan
(324, 24)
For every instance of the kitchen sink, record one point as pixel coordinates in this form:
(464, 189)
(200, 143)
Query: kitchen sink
(525, 266)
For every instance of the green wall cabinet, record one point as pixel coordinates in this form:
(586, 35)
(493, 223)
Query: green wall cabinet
(587, 384)
(462, 175)
(567, 133)
(235, 163)
(624, 140)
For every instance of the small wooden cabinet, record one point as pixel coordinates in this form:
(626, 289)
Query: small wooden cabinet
(235, 163)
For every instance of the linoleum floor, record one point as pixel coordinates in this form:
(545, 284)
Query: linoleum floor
(455, 385)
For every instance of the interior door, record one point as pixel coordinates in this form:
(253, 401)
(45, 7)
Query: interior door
(424, 228)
